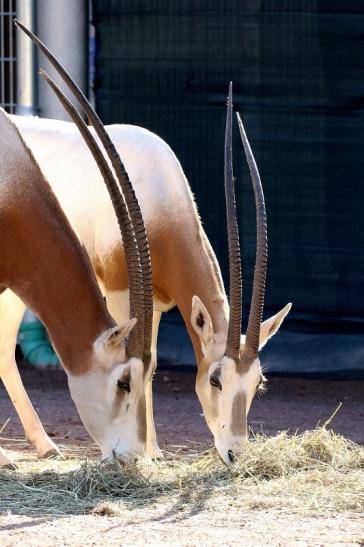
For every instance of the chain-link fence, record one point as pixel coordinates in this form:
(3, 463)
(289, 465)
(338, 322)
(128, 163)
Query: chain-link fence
(7, 55)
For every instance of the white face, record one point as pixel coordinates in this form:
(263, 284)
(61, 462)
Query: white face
(110, 399)
(225, 395)
(226, 389)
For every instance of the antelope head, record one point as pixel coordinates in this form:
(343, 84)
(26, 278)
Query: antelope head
(230, 372)
(110, 397)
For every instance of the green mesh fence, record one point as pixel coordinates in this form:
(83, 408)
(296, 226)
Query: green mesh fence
(298, 73)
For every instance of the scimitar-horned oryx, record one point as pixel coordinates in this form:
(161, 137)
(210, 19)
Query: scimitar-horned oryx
(185, 269)
(43, 266)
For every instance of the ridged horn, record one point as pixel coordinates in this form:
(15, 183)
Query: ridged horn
(135, 343)
(128, 191)
(261, 259)
(233, 338)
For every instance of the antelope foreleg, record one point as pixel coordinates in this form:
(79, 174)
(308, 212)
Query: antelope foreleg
(153, 450)
(11, 313)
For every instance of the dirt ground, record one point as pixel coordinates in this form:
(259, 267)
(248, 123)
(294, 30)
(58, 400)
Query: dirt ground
(294, 404)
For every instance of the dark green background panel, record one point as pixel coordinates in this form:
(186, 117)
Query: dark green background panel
(298, 72)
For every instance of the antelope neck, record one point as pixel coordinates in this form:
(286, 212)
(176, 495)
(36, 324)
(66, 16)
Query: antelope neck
(202, 277)
(42, 261)
(58, 285)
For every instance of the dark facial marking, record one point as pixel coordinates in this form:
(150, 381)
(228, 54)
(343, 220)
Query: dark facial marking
(142, 420)
(119, 397)
(238, 422)
(244, 364)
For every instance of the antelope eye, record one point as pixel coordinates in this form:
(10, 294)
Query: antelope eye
(215, 382)
(124, 385)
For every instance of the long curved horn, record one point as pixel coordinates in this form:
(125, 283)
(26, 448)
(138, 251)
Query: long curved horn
(135, 344)
(233, 338)
(261, 259)
(128, 191)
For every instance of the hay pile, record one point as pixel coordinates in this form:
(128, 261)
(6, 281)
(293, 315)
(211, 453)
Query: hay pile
(317, 472)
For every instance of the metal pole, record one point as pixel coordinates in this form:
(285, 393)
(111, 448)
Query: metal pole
(25, 68)
(63, 26)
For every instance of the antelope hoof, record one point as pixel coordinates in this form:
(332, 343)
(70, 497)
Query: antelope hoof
(52, 454)
(9, 465)
(12, 466)
(155, 453)
(6, 462)
(46, 448)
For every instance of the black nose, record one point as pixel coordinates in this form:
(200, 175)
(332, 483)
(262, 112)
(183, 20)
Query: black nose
(231, 456)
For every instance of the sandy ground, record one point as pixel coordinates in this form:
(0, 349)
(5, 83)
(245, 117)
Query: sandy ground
(293, 404)
(255, 528)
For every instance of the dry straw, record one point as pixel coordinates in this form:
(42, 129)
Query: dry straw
(317, 472)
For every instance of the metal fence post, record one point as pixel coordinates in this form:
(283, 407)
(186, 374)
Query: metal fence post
(26, 85)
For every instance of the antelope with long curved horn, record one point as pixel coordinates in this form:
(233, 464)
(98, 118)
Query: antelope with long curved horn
(185, 268)
(106, 376)
(135, 243)
(43, 264)
(227, 385)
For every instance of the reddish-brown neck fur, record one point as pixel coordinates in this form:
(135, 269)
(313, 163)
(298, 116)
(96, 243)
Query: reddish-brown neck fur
(183, 265)
(41, 259)
(189, 272)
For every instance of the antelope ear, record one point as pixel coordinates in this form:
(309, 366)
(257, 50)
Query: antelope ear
(115, 336)
(269, 327)
(201, 323)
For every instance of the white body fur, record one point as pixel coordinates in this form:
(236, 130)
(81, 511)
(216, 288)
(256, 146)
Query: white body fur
(67, 163)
